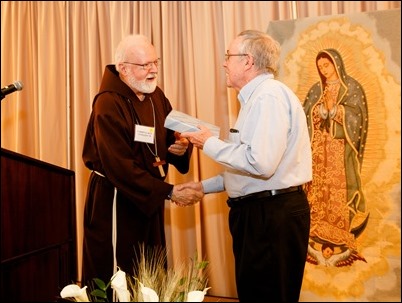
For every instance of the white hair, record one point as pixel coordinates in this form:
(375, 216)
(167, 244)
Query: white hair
(128, 43)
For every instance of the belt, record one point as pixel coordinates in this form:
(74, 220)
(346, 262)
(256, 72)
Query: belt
(262, 194)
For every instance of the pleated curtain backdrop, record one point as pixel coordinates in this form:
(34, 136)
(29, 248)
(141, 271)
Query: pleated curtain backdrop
(59, 49)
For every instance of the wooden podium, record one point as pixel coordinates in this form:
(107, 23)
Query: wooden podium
(38, 229)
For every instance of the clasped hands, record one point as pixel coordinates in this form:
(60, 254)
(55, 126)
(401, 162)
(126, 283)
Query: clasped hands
(187, 194)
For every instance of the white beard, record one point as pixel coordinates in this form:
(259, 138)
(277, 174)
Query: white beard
(143, 86)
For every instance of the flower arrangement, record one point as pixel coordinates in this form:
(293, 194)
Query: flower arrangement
(153, 283)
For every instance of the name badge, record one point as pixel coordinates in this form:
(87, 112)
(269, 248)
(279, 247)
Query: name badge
(144, 134)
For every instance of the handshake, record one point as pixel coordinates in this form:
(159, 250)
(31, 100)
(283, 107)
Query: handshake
(187, 194)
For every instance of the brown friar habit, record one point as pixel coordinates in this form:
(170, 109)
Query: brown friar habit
(119, 162)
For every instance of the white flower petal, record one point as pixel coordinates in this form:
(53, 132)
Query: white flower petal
(119, 284)
(74, 291)
(197, 295)
(119, 279)
(69, 291)
(123, 295)
(149, 294)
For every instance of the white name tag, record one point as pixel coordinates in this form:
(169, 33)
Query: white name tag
(144, 134)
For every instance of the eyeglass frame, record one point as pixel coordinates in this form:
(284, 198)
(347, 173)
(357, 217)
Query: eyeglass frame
(146, 66)
(227, 55)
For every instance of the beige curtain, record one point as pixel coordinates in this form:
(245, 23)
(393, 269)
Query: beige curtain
(59, 49)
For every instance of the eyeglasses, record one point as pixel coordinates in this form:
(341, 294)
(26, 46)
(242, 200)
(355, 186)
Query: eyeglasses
(147, 66)
(227, 55)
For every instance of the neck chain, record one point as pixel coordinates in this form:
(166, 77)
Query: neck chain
(158, 162)
(155, 141)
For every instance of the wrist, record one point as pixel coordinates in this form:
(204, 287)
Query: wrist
(169, 196)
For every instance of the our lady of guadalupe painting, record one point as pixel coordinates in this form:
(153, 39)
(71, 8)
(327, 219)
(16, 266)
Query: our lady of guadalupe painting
(345, 69)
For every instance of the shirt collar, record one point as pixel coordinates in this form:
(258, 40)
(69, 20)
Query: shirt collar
(248, 89)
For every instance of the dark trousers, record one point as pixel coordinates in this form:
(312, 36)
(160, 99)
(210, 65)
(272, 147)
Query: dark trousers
(270, 238)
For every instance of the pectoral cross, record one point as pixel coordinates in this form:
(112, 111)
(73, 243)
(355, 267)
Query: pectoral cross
(159, 164)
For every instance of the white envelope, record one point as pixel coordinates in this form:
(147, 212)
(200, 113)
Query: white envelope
(182, 122)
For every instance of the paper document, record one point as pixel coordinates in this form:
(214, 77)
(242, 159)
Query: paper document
(182, 122)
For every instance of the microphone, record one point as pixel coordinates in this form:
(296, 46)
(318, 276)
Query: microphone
(17, 85)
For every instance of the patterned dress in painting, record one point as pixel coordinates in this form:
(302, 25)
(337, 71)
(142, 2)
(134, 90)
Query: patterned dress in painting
(338, 135)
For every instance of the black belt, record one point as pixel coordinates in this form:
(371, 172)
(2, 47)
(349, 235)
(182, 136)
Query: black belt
(262, 194)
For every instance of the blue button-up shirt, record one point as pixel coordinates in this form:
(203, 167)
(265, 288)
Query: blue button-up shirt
(271, 149)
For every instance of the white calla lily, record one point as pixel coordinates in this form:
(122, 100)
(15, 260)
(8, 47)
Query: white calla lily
(197, 295)
(119, 284)
(149, 295)
(171, 285)
(74, 291)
